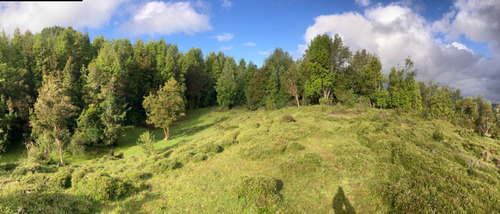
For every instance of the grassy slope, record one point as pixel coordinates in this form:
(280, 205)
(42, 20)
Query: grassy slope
(365, 160)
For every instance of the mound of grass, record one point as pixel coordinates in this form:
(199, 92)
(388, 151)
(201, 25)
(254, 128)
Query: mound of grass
(305, 164)
(99, 186)
(49, 202)
(288, 119)
(260, 193)
(333, 160)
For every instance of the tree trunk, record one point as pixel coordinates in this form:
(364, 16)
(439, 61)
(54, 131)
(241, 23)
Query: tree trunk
(166, 130)
(297, 99)
(60, 150)
(46, 154)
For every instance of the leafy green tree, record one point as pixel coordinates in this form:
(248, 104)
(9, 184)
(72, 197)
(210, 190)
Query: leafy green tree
(381, 98)
(89, 130)
(468, 112)
(255, 91)
(403, 89)
(319, 65)
(165, 106)
(194, 66)
(112, 118)
(7, 117)
(275, 66)
(52, 112)
(367, 77)
(485, 119)
(291, 82)
(226, 85)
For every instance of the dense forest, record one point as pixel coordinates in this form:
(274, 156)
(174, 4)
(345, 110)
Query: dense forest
(61, 92)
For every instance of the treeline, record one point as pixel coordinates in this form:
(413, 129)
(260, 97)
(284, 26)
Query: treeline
(57, 86)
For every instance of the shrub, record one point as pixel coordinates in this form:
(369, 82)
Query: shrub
(438, 135)
(165, 164)
(199, 158)
(209, 148)
(61, 179)
(79, 174)
(53, 202)
(261, 193)
(32, 167)
(100, 187)
(287, 119)
(146, 141)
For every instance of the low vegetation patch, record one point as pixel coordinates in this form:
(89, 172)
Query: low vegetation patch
(260, 193)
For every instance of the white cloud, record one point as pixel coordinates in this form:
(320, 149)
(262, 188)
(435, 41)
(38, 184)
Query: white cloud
(226, 48)
(460, 46)
(37, 15)
(264, 53)
(363, 3)
(166, 18)
(395, 32)
(249, 44)
(226, 4)
(224, 37)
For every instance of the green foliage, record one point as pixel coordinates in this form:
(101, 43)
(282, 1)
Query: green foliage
(295, 147)
(61, 179)
(302, 165)
(288, 119)
(403, 90)
(319, 54)
(47, 202)
(165, 106)
(438, 135)
(99, 186)
(146, 141)
(348, 98)
(260, 193)
(226, 85)
(52, 112)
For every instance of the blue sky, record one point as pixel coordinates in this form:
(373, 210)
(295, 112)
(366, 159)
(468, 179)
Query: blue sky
(455, 42)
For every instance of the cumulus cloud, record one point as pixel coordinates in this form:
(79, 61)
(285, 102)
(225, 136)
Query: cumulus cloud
(226, 48)
(363, 3)
(37, 15)
(166, 18)
(249, 44)
(395, 32)
(224, 37)
(226, 4)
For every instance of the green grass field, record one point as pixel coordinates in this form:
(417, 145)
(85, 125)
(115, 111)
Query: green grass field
(313, 159)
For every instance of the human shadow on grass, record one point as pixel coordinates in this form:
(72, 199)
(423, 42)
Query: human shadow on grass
(341, 204)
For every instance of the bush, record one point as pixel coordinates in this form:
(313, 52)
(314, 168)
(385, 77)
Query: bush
(199, 158)
(209, 148)
(165, 164)
(261, 193)
(146, 141)
(32, 167)
(53, 202)
(438, 135)
(100, 187)
(287, 119)
(61, 179)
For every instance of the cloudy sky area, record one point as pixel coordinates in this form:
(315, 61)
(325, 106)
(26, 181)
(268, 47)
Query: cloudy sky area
(455, 42)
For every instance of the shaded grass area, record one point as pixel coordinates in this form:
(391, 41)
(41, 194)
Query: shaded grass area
(313, 159)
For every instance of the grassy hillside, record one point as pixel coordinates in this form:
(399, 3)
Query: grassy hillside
(314, 159)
